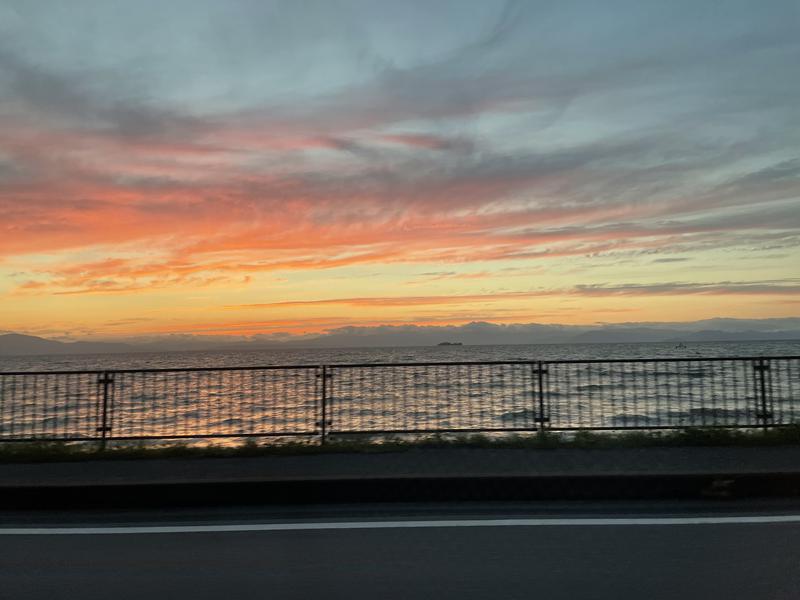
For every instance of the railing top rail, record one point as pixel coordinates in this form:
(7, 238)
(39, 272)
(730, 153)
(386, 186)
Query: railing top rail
(545, 361)
(163, 370)
(532, 361)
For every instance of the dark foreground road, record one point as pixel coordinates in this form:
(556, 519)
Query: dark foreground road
(470, 558)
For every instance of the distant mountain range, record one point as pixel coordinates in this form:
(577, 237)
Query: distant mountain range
(18, 344)
(476, 333)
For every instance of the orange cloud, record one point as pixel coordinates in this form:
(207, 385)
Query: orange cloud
(790, 287)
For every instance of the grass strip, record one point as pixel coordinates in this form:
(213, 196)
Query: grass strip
(15, 452)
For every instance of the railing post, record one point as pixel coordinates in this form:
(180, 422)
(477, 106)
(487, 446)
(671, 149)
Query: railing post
(323, 423)
(539, 369)
(761, 366)
(106, 380)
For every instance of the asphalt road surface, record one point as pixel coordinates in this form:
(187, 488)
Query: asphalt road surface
(487, 552)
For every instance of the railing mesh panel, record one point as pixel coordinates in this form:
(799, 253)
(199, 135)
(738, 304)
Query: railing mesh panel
(400, 398)
(432, 398)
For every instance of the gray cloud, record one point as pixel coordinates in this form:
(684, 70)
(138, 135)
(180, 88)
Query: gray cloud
(90, 100)
(636, 119)
(776, 286)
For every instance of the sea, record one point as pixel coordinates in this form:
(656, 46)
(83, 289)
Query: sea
(293, 396)
(321, 356)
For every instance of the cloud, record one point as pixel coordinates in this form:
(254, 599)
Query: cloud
(772, 287)
(769, 287)
(274, 137)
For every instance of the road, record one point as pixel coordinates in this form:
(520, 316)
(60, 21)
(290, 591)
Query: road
(488, 551)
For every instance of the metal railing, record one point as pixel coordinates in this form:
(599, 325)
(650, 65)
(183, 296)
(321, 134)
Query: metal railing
(399, 398)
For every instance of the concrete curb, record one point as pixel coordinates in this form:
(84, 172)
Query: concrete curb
(735, 486)
(411, 476)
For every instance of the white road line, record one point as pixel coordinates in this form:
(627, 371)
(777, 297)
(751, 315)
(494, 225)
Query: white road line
(538, 522)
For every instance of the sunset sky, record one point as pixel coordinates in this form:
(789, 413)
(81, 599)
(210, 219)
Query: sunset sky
(247, 166)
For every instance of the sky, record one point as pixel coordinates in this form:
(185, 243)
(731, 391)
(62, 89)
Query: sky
(241, 167)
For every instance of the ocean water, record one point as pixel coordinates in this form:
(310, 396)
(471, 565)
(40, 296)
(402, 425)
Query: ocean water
(320, 356)
(275, 395)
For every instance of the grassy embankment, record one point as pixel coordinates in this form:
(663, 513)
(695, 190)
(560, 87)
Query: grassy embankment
(63, 451)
